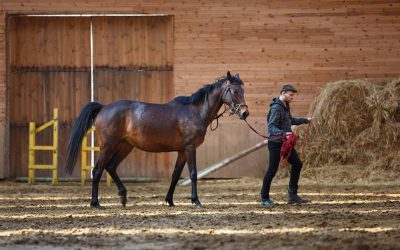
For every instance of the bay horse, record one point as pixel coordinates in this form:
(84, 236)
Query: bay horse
(179, 125)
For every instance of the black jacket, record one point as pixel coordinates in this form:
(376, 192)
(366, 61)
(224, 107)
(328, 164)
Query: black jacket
(280, 120)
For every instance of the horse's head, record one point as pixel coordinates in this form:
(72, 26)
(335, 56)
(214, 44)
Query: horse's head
(233, 95)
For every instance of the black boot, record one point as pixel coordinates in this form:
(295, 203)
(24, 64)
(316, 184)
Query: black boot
(293, 198)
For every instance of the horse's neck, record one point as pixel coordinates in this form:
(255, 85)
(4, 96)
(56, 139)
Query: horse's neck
(210, 106)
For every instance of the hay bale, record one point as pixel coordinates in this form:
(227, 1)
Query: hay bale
(357, 123)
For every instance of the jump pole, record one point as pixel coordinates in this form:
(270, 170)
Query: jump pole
(212, 168)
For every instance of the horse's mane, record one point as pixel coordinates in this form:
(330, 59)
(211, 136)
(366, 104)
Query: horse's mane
(201, 93)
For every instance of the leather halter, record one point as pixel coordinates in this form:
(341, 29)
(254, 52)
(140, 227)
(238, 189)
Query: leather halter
(234, 107)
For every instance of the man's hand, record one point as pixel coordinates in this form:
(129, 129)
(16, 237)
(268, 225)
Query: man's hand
(310, 119)
(288, 134)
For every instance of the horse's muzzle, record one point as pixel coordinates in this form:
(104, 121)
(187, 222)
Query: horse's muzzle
(240, 110)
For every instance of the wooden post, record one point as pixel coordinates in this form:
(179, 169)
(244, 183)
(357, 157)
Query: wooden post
(55, 145)
(84, 161)
(32, 142)
(223, 163)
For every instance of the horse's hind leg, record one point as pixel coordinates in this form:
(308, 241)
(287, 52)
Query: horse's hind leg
(180, 163)
(105, 156)
(123, 149)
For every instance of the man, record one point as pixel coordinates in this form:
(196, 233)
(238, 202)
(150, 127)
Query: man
(279, 124)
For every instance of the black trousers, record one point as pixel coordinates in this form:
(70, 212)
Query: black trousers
(274, 159)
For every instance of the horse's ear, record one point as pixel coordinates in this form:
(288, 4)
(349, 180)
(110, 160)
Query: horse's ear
(228, 75)
(236, 76)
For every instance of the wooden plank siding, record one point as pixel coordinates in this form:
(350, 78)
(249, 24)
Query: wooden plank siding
(136, 42)
(49, 42)
(306, 42)
(49, 61)
(4, 126)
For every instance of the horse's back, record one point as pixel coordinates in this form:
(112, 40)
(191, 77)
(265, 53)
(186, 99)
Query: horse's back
(147, 126)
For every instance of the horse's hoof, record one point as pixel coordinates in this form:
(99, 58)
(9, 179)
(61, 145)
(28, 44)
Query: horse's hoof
(170, 203)
(96, 206)
(123, 200)
(197, 204)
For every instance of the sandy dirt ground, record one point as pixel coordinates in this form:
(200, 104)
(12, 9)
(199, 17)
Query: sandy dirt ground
(339, 217)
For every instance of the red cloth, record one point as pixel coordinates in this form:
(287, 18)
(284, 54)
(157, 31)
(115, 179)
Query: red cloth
(288, 146)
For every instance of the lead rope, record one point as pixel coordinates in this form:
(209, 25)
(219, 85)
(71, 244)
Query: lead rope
(255, 131)
(288, 145)
(216, 118)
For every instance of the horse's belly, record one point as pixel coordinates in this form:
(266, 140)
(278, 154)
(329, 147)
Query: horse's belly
(155, 144)
(157, 149)
(165, 136)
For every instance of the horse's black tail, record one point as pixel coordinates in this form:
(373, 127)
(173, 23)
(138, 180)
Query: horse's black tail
(82, 124)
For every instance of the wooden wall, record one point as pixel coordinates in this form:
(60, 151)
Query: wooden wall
(4, 131)
(49, 66)
(306, 42)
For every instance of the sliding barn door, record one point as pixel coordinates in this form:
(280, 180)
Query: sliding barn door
(133, 60)
(49, 67)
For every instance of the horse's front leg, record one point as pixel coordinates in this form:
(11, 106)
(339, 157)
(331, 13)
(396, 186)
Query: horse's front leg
(191, 160)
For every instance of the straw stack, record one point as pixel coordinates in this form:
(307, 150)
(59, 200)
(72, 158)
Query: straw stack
(356, 133)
